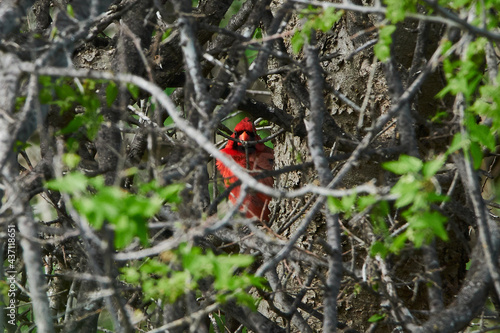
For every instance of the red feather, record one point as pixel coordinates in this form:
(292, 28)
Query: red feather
(260, 157)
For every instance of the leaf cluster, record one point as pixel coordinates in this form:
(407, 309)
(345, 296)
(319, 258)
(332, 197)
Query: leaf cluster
(187, 266)
(127, 212)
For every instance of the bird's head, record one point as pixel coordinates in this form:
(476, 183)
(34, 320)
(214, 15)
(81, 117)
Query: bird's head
(244, 131)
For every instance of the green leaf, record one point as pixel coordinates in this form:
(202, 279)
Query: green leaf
(437, 225)
(166, 34)
(89, 85)
(335, 205)
(377, 217)
(71, 183)
(169, 91)
(379, 248)
(131, 275)
(65, 92)
(70, 10)
(385, 33)
(379, 225)
(251, 51)
(74, 125)
(142, 232)
(376, 317)
(97, 182)
(458, 142)
(397, 9)
(257, 281)
(366, 201)
(134, 90)
(424, 226)
(192, 264)
(126, 212)
(327, 19)
(87, 207)
(382, 49)
(405, 164)
(439, 117)
(171, 193)
(91, 103)
(20, 146)
(66, 97)
(153, 266)
(433, 197)
(71, 160)
(111, 93)
(125, 231)
(482, 134)
(382, 208)
(476, 154)
(246, 299)
(407, 190)
(223, 269)
(298, 39)
(430, 168)
(348, 203)
(250, 54)
(45, 80)
(398, 243)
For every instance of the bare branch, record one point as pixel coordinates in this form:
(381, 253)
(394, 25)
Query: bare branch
(315, 140)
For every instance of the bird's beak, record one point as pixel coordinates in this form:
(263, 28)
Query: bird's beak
(244, 136)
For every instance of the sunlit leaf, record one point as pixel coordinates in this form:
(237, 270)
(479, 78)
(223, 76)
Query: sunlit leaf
(430, 168)
(404, 165)
(457, 143)
(335, 205)
(382, 49)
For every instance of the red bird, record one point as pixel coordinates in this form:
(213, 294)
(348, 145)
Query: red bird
(259, 157)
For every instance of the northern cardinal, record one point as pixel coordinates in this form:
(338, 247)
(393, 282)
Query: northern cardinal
(260, 157)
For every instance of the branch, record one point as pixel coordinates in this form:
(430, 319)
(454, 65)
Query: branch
(405, 120)
(301, 229)
(315, 141)
(469, 301)
(449, 18)
(486, 227)
(22, 216)
(255, 70)
(34, 268)
(11, 12)
(192, 56)
(315, 115)
(462, 23)
(383, 119)
(470, 180)
(252, 319)
(282, 300)
(8, 86)
(198, 137)
(397, 307)
(193, 317)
